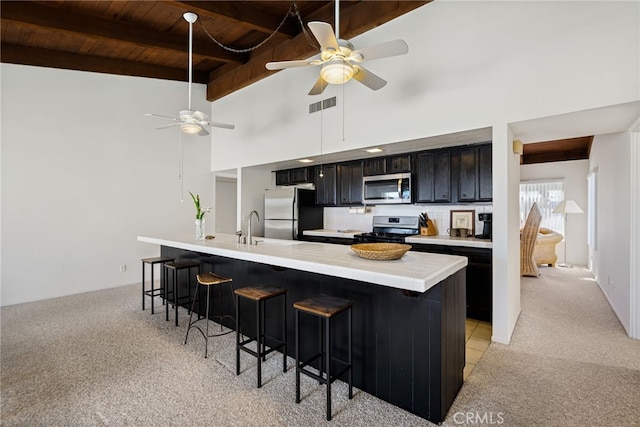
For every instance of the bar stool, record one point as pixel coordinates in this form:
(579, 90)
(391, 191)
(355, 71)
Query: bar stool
(208, 280)
(175, 268)
(325, 308)
(154, 292)
(260, 295)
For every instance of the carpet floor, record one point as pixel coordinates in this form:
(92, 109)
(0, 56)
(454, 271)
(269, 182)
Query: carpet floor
(96, 359)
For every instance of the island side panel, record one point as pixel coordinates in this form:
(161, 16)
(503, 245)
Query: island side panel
(405, 344)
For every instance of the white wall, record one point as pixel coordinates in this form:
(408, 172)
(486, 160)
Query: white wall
(84, 173)
(610, 154)
(574, 175)
(225, 206)
(470, 65)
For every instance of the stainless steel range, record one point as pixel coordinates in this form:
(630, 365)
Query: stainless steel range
(390, 229)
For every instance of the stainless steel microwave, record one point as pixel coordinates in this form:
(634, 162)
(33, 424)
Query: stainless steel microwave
(386, 189)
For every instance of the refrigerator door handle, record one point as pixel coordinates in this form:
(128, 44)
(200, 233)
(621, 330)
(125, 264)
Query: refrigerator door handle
(293, 215)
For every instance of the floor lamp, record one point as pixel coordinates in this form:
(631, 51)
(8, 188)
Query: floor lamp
(566, 207)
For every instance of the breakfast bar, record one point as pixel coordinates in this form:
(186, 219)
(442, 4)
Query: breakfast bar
(408, 314)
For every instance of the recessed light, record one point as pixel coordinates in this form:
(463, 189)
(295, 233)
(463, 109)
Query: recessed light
(374, 150)
(305, 161)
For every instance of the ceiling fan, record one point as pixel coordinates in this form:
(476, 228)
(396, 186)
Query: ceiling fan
(340, 60)
(191, 122)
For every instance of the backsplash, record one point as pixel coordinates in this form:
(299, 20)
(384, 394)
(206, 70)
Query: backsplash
(341, 219)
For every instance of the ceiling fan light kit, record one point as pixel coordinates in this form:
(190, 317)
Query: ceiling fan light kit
(336, 71)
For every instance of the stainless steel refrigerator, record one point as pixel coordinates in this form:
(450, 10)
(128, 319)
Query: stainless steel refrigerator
(289, 211)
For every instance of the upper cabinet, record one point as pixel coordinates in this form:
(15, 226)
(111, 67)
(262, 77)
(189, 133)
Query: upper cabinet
(433, 176)
(350, 183)
(293, 176)
(472, 173)
(384, 165)
(325, 185)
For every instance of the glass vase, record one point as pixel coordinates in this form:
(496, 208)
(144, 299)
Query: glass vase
(200, 229)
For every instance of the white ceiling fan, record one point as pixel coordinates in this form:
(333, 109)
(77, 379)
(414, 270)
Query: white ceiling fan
(191, 122)
(340, 60)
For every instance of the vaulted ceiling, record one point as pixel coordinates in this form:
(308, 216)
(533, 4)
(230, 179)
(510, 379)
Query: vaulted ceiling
(150, 38)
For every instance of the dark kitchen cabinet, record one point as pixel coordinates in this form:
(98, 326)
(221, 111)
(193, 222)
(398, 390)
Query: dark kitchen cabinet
(325, 185)
(350, 183)
(474, 173)
(292, 176)
(375, 166)
(384, 165)
(479, 277)
(433, 176)
(398, 164)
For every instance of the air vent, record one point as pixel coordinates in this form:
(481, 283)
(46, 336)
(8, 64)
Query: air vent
(322, 105)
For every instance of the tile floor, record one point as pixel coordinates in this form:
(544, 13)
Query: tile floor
(477, 340)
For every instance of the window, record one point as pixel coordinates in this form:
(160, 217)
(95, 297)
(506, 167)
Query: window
(548, 194)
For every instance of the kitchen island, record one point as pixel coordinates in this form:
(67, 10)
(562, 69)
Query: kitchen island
(408, 315)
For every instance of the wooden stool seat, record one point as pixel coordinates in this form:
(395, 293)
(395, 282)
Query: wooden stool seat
(208, 279)
(175, 268)
(154, 292)
(323, 305)
(259, 295)
(325, 308)
(260, 292)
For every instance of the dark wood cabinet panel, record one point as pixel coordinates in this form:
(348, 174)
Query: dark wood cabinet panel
(282, 177)
(433, 176)
(468, 175)
(375, 166)
(350, 183)
(479, 280)
(292, 176)
(398, 164)
(325, 185)
(485, 173)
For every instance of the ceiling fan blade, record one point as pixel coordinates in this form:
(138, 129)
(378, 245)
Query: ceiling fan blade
(382, 50)
(203, 132)
(319, 87)
(367, 78)
(164, 117)
(169, 125)
(221, 125)
(291, 64)
(324, 34)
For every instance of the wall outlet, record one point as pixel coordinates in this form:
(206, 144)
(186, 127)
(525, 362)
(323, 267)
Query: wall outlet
(123, 268)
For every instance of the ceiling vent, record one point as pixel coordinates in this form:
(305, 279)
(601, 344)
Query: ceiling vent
(322, 105)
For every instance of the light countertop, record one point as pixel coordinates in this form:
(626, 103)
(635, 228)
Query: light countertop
(469, 242)
(415, 271)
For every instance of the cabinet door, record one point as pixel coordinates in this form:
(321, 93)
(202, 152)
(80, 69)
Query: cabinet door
(467, 178)
(282, 177)
(350, 183)
(356, 183)
(485, 186)
(375, 166)
(442, 176)
(299, 175)
(326, 185)
(398, 164)
(425, 163)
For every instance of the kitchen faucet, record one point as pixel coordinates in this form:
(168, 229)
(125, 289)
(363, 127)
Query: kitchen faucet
(249, 225)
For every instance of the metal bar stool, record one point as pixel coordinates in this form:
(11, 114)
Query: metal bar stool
(208, 280)
(175, 268)
(154, 292)
(324, 307)
(260, 295)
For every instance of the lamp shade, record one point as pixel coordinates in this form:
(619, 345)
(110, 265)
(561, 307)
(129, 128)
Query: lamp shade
(568, 206)
(337, 71)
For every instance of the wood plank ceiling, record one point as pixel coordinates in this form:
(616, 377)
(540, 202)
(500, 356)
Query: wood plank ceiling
(150, 38)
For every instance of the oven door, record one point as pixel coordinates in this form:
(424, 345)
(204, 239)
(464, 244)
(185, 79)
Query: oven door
(387, 189)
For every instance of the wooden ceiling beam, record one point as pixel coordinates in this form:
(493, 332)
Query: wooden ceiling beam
(14, 54)
(355, 20)
(243, 15)
(39, 15)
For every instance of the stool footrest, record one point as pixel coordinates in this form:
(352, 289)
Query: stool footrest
(278, 346)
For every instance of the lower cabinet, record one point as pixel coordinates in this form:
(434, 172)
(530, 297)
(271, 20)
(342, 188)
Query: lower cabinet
(479, 277)
(327, 239)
